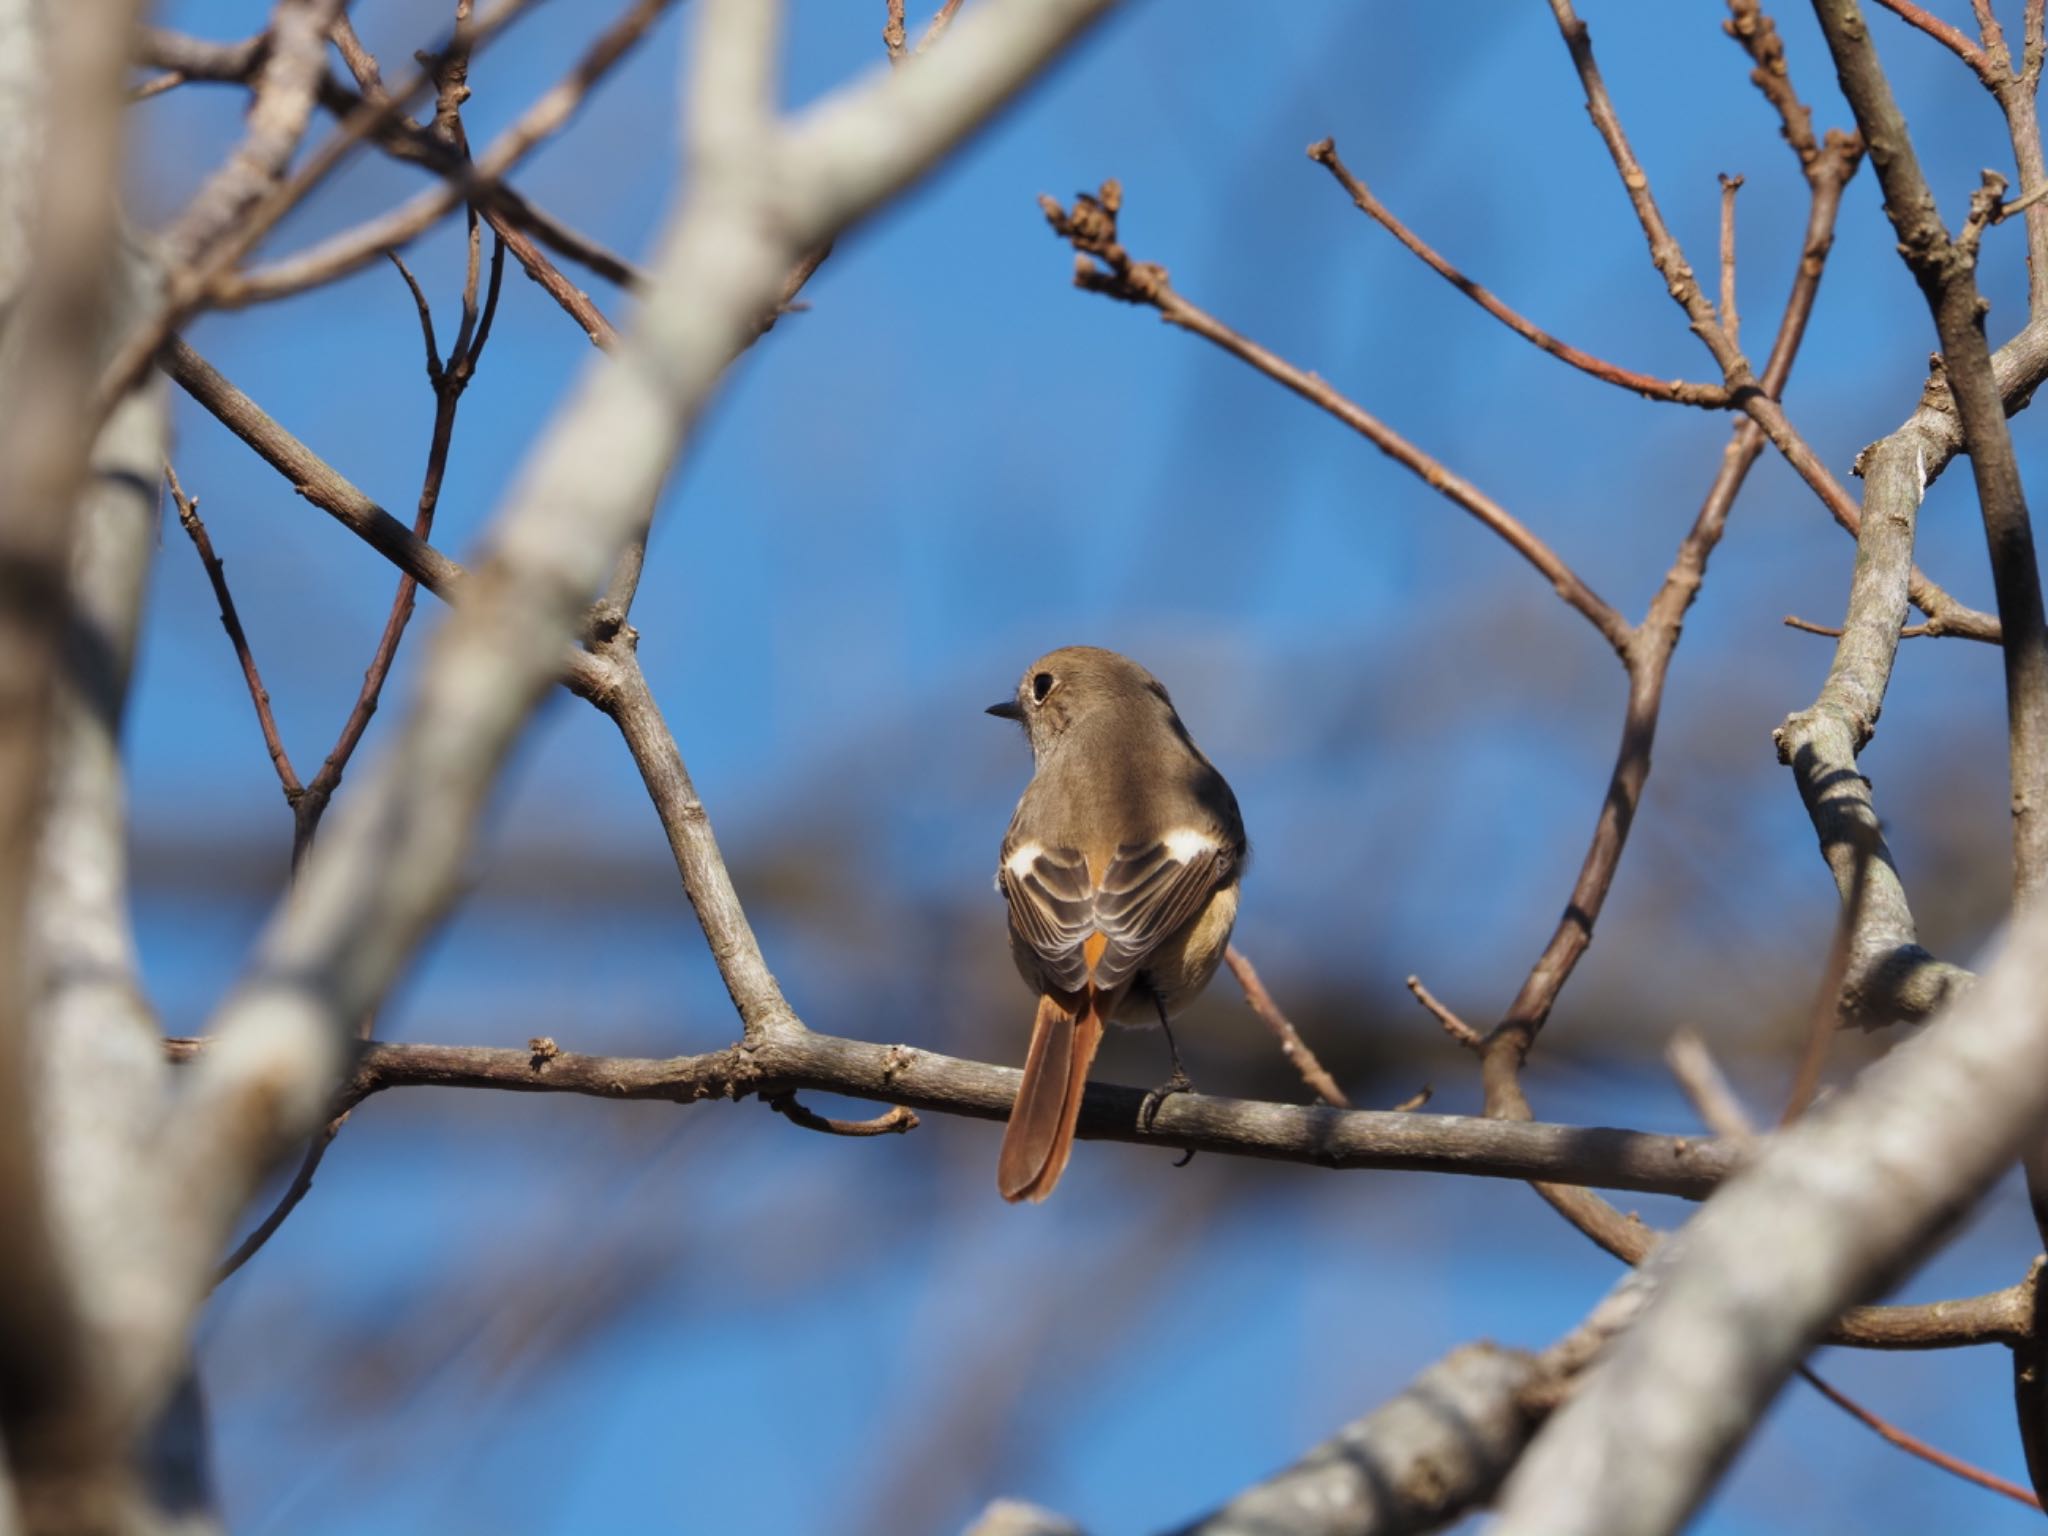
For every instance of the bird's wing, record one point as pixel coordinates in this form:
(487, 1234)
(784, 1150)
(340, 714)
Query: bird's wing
(1147, 890)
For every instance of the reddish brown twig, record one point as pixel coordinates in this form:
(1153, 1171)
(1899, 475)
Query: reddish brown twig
(941, 19)
(296, 1191)
(1713, 396)
(1103, 266)
(1709, 1092)
(1825, 1015)
(1292, 1046)
(1834, 631)
(449, 380)
(1915, 1446)
(504, 214)
(1757, 35)
(1731, 322)
(894, 1121)
(1453, 1026)
(216, 574)
(1949, 37)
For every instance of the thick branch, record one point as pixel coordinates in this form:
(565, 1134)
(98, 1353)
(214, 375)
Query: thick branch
(1836, 1208)
(1945, 270)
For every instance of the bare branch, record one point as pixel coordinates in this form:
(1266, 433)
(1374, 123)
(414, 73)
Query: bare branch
(1292, 1046)
(1453, 1026)
(1730, 320)
(1949, 37)
(1913, 1445)
(1104, 266)
(1714, 396)
(343, 253)
(794, 1061)
(231, 621)
(1868, 1182)
(61, 102)
(286, 87)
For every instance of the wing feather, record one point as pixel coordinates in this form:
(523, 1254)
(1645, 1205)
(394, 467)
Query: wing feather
(1148, 890)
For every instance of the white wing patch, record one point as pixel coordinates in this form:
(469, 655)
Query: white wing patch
(1022, 858)
(1186, 843)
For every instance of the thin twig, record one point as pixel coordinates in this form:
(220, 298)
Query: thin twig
(1324, 153)
(894, 1121)
(1292, 1046)
(1706, 1088)
(1914, 1445)
(1103, 266)
(941, 19)
(1834, 631)
(343, 253)
(1824, 1018)
(300, 1186)
(1731, 322)
(1453, 1026)
(1949, 37)
(216, 574)
(191, 288)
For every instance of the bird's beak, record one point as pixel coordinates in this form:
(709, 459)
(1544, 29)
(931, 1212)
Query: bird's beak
(1007, 710)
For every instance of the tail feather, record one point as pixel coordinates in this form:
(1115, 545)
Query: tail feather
(1040, 1137)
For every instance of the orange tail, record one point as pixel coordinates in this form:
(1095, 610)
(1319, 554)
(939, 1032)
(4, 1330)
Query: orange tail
(1041, 1133)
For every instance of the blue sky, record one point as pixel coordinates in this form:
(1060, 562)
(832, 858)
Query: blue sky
(527, 1315)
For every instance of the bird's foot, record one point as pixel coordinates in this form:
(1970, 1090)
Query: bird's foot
(1148, 1111)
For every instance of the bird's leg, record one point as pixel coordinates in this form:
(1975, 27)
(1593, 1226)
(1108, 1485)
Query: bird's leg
(1179, 1082)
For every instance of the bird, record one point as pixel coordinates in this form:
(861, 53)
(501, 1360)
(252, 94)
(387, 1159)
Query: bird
(1120, 869)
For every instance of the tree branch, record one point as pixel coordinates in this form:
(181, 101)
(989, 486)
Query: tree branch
(1103, 266)
(1868, 1182)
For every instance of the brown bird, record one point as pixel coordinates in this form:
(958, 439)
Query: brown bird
(1121, 869)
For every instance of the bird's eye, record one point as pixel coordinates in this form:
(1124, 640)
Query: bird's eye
(1041, 685)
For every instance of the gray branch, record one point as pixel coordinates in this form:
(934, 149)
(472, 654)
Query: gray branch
(1834, 1210)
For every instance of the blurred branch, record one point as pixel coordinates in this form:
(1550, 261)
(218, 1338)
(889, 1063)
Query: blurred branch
(1439, 1449)
(285, 87)
(343, 253)
(1102, 265)
(61, 106)
(190, 288)
(1834, 631)
(506, 213)
(1721, 1109)
(1709, 1092)
(1868, 1182)
(1730, 319)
